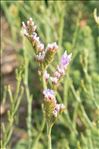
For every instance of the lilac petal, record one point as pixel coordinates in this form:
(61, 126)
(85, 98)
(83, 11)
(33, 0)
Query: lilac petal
(48, 93)
(65, 59)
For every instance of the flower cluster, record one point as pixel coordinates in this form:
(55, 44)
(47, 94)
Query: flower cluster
(50, 52)
(52, 108)
(61, 68)
(46, 55)
(43, 55)
(29, 30)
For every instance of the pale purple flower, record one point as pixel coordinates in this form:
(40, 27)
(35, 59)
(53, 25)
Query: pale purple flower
(53, 108)
(58, 108)
(65, 59)
(49, 94)
(61, 68)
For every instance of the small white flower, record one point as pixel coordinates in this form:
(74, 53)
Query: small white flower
(29, 27)
(55, 113)
(57, 74)
(40, 56)
(23, 25)
(30, 19)
(57, 108)
(54, 80)
(61, 70)
(28, 22)
(62, 107)
(52, 47)
(40, 47)
(46, 75)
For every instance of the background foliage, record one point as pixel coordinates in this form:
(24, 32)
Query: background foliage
(71, 24)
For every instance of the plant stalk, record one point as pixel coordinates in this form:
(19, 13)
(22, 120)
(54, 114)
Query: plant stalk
(49, 128)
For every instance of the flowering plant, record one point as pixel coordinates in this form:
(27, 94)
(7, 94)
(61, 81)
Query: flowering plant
(23, 118)
(44, 56)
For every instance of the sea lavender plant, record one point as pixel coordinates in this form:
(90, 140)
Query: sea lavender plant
(44, 56)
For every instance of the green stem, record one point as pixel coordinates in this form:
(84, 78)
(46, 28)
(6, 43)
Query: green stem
(61, 29)
(81, 106)
(11, 117)
(43, 81)
(29, 117)
(28, 95)
(43, 120)
(49, 128)
(29, 100)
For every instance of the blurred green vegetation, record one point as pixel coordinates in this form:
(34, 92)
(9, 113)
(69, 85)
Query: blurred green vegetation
(71, 24)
